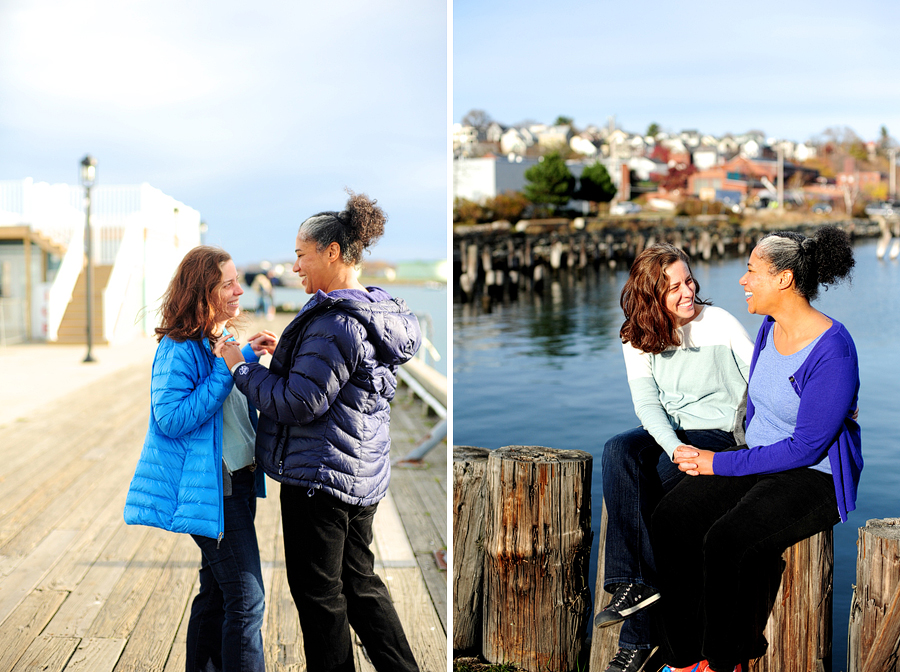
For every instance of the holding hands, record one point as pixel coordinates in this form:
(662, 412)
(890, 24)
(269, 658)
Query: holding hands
(694, 461)
(262, 342)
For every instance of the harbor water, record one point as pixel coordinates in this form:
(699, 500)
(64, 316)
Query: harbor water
(548, 370)
(427, 300)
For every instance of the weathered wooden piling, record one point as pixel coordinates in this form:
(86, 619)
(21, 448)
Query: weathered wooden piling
(799, 625)
(469, 471)
(875, 608)
(537, 550)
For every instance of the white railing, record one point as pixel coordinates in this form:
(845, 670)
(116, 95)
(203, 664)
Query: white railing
(123, 290)
(61, 290)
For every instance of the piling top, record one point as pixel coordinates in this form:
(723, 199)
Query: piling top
(469, 453)
(541, 454)
(886, 528)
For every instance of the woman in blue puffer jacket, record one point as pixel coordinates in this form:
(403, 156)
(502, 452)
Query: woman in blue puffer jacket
(324, 407)
(196, 473)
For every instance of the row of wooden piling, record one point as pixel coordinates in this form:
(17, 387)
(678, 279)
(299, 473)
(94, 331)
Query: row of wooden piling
(521, 546)
(492, 266)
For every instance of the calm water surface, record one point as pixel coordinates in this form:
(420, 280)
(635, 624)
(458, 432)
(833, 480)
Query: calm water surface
(548, 370)
(427, 301)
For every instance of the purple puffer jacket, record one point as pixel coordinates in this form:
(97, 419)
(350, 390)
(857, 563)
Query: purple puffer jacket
(324, 401)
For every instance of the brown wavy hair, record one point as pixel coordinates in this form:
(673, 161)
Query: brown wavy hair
(648, 325)
(191, 300)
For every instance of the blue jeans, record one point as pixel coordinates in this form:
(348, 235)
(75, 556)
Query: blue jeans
(331, 572)
(637, 473)
(224, 631)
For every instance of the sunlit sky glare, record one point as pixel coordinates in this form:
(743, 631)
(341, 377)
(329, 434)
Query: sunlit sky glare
(255, 114)
(791, 69)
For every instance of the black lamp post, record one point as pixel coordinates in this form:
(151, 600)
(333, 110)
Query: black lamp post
(88, 174)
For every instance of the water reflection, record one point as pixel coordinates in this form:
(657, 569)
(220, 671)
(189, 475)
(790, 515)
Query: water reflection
(574, 315)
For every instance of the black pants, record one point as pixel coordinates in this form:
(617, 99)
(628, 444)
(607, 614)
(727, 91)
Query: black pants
(330, 570)
(718, 542)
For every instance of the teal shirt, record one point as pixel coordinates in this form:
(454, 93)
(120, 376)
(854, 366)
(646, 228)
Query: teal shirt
(238, 435)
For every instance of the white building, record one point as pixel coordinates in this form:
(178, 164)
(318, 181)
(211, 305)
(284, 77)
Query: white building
(583, 146)
(705, 157)
(138, 234)
(514, 141)
(464, 138)
(478, 179)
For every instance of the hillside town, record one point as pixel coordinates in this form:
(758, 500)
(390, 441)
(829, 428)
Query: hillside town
(834, 173)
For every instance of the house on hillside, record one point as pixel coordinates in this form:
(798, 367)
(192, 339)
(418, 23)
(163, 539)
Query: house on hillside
(583, 146)
(464, 139)
(555, 137)
(493, 132)
(705, 157)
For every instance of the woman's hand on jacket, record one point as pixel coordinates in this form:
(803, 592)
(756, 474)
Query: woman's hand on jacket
(694, 461)
(229, 350)
(263, 342)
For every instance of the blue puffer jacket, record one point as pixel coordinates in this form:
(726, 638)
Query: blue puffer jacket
(324, 401)
(177, 484)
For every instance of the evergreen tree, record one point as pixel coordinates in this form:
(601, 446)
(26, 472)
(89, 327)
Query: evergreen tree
(595, 184)
(550, 182)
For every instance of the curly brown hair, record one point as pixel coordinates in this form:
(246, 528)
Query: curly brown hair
(191, 300)
(648, 325)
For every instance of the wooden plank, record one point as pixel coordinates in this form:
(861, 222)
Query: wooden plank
(155, 631)
(96, 655)
(90, 597)
(389, 536)
(25, 623)
(424, 539)
(70, 571)
(16, 586)
(65, 501)
(124, 605)
(282, 640)
(71, 507)
(47, 654)
(420, 622)
(178, 656)
(43, 448)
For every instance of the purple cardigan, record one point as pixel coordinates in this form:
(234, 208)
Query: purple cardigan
(828, 386)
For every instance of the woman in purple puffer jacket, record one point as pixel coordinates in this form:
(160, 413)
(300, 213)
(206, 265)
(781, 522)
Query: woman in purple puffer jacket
(324, 407)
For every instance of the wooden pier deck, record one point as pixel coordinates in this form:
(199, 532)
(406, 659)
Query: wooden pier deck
(82, 591)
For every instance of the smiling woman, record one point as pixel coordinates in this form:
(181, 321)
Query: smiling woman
(687, 364)
(718, 536)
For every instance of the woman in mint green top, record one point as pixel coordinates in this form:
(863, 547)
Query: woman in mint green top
(687, 364)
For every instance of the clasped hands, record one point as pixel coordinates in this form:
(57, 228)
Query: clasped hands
(694, 461)
(262, 342)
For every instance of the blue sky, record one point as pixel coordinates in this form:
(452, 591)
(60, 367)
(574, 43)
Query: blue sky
(791, 69)
(257, 115)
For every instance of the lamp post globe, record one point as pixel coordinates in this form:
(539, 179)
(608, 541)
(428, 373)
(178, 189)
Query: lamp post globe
(88, 175)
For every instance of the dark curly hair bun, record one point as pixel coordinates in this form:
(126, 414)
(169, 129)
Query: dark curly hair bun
(365, 219)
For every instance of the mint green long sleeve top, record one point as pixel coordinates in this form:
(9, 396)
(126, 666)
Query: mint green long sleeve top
(696, 385)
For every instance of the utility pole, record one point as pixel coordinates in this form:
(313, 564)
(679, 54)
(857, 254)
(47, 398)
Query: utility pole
(892, 179)
(780, 176)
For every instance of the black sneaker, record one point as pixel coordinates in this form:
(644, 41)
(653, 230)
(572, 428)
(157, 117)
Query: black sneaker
(628, 599)
(630, 660)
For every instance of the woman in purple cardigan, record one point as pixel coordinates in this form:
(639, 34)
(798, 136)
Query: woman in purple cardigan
(718, 538)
